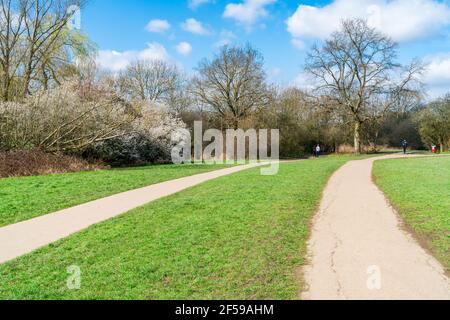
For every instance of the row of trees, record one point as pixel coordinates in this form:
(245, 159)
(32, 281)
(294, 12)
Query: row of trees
(361, 94)
(54, 97)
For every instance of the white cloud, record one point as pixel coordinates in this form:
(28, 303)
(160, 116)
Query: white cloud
(403, 20)
(248, 12)
(226, 38)
(184, 48)
(304, 81)
(437, 74)
(196, 27)
(299, 44)
(116, 61)
(158, 26)
(194, 4)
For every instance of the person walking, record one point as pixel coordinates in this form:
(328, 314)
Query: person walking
(318, 150)
(405, 146)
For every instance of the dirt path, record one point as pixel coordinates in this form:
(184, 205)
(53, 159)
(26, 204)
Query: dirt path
(25, 237)
(358, 249)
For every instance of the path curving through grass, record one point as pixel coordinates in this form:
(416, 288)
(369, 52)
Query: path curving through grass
(420, 191)
(29, 197)
(359, 250)
(238, 237)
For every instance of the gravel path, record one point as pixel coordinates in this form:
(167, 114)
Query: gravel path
(359, 250)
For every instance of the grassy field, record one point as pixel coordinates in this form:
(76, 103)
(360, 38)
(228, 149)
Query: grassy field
(28, 197)
(237, 237)
(420, 190)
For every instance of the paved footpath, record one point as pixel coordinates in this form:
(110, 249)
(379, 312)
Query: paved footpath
(359, 250)
(25, 237)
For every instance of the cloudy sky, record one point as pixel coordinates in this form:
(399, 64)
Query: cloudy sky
(185, 31)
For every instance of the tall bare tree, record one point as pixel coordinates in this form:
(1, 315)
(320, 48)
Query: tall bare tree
(12, 15)
(357, 67)
(45, 22)
(150, 80)
(35, 43)
(233, 83)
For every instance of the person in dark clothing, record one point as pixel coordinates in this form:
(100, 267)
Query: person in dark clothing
(405, 146)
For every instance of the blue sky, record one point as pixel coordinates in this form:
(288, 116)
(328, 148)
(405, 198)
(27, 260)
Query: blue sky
(185, 31)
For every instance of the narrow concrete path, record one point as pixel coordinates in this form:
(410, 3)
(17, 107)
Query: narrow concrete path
(359, 250)
(25, 237)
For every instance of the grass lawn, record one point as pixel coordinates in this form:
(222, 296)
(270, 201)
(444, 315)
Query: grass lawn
(420, 190)
(237, 237)
(28, 197)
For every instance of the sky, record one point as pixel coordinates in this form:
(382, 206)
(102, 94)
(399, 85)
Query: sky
(185, 31)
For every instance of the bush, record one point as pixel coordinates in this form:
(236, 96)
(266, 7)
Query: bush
(148, 140)
(133, 149)
(90, 122)
(37, 162)
(68, 118)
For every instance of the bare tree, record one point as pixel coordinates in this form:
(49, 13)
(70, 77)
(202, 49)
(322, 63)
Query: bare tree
(35, 44)
(45, 22)
(356, 67)
(232, 84)
(12, 15)
(150, 80)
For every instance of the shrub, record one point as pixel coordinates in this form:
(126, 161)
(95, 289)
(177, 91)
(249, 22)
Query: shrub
(37, 162)
(148, 140)
(65, 119)
(132, 149)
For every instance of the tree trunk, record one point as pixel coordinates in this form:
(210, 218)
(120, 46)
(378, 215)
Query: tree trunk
(357, 137)
(236, 124)
(6, 84)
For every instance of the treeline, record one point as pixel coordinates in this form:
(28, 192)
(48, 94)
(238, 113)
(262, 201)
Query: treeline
(55, 99)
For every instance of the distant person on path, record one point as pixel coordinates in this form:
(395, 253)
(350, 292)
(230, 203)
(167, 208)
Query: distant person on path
(405, 146)
(318, 150)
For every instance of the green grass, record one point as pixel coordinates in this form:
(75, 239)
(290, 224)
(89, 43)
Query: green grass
(420, 190)
(237, 237)
(28, 197)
